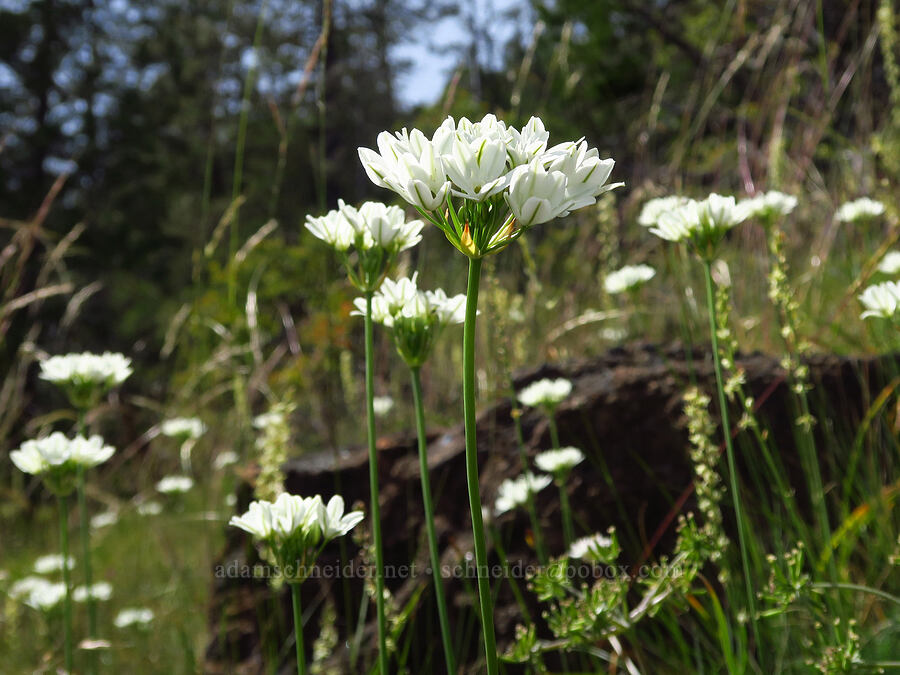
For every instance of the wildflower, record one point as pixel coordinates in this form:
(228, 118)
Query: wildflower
(598, 548)
(378, 233)
(654, 208)
(333, 521)
(47, 564)
(513, 493)
(546, 393)
(703, 224)
(382, 404)
(43, 595)
(183, 428)
(85, 377)
(881, 300)
(104, 519)
(225, 459)
(890, 263)
(101, 591)
(24, 586)
(858, 210)
(174, 484)
(415, 317)
(133, 617)
(58, 459)
(628, 278)
(559, 461)
(769, 205)
(149, 508)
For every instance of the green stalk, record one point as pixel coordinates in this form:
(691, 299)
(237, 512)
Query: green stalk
(554, 432)
(373, 488)
(298, 629)
(86, 555)
(484, 583)
(729, 449)
(429, 523)
(568, 527)
(64, 549)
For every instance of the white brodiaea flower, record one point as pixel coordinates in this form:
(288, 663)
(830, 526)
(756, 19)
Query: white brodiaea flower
(133, 616)
(175, 484)
(183, 427)
(382, 405)
(881, 300)
(546, 392)
(44, 595)
(334, 522)
(56, 452)
(513, 493)
(890, 263)
(48, 564)
(654, 208)
(101, 592)
(859, 209)
(105, 369)
(225, 459)
(769, 205)
(594, 548)
(104, 519)
(377, 224)
(627, 278)
(703, 224)
(559, 461)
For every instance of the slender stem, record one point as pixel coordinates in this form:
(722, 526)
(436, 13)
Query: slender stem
(86, 554)
(568, 527)
(484, 582)
(429, 523)
(67, 606)
(373, 487)
(729, 449)
(554, 432)
(862, 589)
(298, 629)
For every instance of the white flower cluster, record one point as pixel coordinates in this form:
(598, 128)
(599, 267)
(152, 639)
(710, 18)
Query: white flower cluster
(105, 369)
(859, 209)
(627, 278)
(38, 593)
(48, 564)
(133, 616)
(56, 451)
(175, 484)
(372, 225)
(225, 459)
(382, 405)
(100, 591)
(546, 393)
(769, 205)
(881, 300)
(183, 427)
(702, 223)
(290, 515)
(594, 548)
(514, 492)
(559, 461)
(483, 162)
(104, 519)
(654, 208)
(890, 263)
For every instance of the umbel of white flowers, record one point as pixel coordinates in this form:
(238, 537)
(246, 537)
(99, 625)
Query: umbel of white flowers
(183, 428)
(483, 183)
(416, 318)
(559, 462)
(702, 224)
(86, 377)
(514, 492)
(546, 393)
(295, 529)
(881, 300)
(767, 206)
(654, 208)
(890, 263)
(57, 459)
(375, 232)
(860, 209)
(596, 548)
(38, 593)
(628, 278)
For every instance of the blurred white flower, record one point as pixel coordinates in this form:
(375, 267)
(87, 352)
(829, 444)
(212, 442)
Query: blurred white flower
(514, 492)
(890, 263)
(175, 484)
(701, 223)
(133, 617)
(104, 519)
(57, 452)
(19, 589)
(654, 208)
(333, 521)
(44, 595)
(594, 548)
(225, 459)
(769, 204)
(382, 405)
(105, 369)
(100, 591)
(183, 427)
(377, 224)
(47, 564)
(149, 508)
(546, 392)
(267, 419)
(559, 461)
(859, 209)
(628, 277)
(881, 300)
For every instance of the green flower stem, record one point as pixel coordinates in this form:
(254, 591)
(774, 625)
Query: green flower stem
(729, 449)
(429, 523)
(298, 629)
(86, 553)
(568, 527)
(67, 605)
(373, 487)
(484, 582)
(554, 432)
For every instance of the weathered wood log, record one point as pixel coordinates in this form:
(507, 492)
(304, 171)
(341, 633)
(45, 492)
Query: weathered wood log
(625, 413)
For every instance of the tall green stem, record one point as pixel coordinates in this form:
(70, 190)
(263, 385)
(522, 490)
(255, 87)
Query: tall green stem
(298, 629)
(554, 432)
(568, 527)
(64, 549)
(449, 659)
(373, 488)
(86, 559)
(484, 582)
(729, 449)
